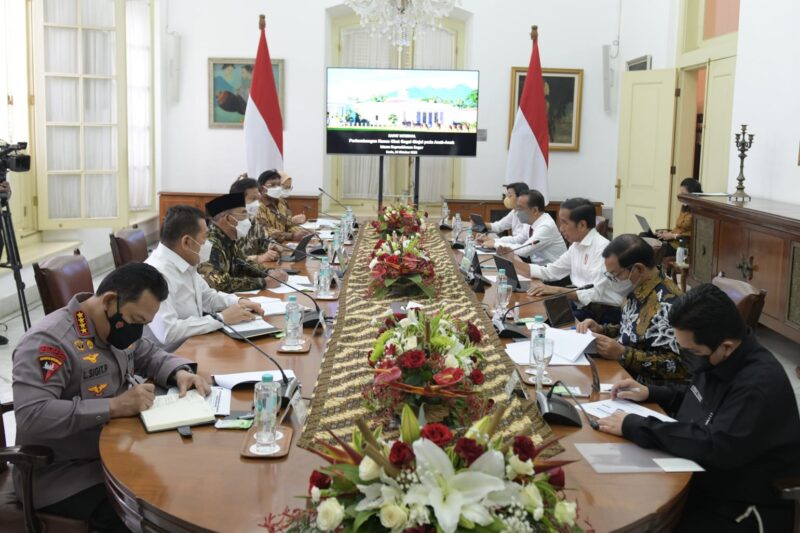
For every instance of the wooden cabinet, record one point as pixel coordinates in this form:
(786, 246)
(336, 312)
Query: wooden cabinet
(758, 242)
(298, 204)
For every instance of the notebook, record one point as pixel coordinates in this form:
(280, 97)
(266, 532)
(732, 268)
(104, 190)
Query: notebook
(169, 412)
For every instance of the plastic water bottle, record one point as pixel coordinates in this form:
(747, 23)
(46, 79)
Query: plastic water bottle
(501, 277)
(294, 323)
(469, 246)
(445, 212)
(351, 222)
(537, 347)
(266, 398)
(324, 278)
(456, 226)
(538, 330)
(682, 253)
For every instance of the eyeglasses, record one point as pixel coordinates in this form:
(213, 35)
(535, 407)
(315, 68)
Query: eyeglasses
(615, 277)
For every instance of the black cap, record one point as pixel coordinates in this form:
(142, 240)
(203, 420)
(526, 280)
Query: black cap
(225, 203)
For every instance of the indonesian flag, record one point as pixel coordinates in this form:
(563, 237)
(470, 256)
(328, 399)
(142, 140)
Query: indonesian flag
(263, 125)
(528, 149)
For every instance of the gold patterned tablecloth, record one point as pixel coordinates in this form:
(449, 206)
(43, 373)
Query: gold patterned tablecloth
(337, 401)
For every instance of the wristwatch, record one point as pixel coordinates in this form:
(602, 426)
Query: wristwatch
(175, 372)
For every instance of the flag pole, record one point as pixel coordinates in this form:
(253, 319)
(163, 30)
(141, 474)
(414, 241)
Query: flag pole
(262, 22)
(534, 33)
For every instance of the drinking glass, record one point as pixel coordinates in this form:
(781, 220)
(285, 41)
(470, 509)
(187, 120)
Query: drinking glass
(542, 353)
(502, 298)
(267, 403)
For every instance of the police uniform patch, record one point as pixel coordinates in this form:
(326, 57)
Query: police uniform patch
(81, 327)
(92, 358)
(90, 344)
(79, 345)
(98, 389)
(51, 359)
(95, 371)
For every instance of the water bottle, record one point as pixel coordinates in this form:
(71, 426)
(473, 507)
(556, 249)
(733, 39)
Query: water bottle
(266, 398)
(456, 226)
(682, 253)
(351, 222)
(537, 347)
(294, 323)
(445, 212)
(324, 278)
(336, 244)
(469, 246)
(501, 277)
(503, 297)
(345, 230)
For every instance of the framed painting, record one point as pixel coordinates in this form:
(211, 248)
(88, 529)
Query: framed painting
(563, 90)
(229, 89)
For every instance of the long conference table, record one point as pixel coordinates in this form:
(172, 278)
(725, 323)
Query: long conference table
(161, 482)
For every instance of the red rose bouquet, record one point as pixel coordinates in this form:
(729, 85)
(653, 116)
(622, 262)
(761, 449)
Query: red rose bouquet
(399, 267)
(402, 219)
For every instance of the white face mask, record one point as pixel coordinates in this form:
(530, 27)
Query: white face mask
(243, 228)
(285, 193)
(274, 192)
(205, 251)
(252, 208)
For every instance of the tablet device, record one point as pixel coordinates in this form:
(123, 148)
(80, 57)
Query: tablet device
(559, 312)
(645, 226)
(478, 225)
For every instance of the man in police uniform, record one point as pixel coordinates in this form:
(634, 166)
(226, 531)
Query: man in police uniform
(75, 370)
(738, 419)
(228, 269)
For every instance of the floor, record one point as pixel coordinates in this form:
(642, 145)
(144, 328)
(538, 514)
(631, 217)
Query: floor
(787, 352)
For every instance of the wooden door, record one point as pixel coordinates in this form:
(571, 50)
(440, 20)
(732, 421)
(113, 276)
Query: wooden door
(646, 125)
(717, 132)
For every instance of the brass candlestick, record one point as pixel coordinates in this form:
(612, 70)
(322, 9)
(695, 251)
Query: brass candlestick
(743, 144)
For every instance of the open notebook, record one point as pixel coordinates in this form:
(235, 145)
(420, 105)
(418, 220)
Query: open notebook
(169, 412)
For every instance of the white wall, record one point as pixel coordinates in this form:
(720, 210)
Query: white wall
(766, 99)
(196, 158)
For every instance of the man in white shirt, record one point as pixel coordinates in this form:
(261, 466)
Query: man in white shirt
(510, 221)
(183, 246)
(538, 227)
(583, 262)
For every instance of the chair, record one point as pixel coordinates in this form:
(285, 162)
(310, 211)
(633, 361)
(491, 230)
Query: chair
(601, 225)
(789, 489)
(61, 278)
(128, 246)
(749, 300)
(16, 515)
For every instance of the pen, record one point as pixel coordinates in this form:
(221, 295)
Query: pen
(133, 380)
(632, 389)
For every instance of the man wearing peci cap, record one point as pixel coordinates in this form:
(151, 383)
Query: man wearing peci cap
(227, 269)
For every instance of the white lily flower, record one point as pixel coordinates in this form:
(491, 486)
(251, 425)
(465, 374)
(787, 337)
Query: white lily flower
(516, 467)
(373, 263)
(377, 494)
(565, 512)
(451, 361)
(451, 494)
(368, 469)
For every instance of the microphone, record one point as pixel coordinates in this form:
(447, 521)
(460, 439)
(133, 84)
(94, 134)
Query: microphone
(355, 222)
(294, 251)
(548, 404)
(288, 386)
(513, 331)
(455, 245)
(289, 221)
(475, 279)
(309, 318)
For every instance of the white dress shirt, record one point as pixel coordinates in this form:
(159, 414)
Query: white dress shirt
(550, 246)
(181, 314)
(509, 222)
(584, 264)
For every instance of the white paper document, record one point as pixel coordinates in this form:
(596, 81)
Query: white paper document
(678, 464)
(628, 458)
(247, 327)
(169, 412)
(299, 280)
(219, 400)
(493, 278)
(519, 352)
(283, 289)
(569, 344)
(606, 408)
(229, 381)
(249, 292)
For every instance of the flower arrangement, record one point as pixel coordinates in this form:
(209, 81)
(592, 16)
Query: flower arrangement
(398, 266)
(428, 482)
(401, 218)
(433, 361)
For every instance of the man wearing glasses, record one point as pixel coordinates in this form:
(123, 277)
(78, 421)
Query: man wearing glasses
(643, 341)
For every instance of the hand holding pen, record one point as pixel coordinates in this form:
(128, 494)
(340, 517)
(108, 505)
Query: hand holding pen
(630, 389)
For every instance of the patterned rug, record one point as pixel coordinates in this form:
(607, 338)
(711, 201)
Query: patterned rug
(337, 401)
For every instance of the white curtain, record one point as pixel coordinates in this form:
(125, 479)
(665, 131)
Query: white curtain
(435, 49)
(140, 107)
(362, 50)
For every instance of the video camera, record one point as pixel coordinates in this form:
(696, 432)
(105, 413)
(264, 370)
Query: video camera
(12, 161)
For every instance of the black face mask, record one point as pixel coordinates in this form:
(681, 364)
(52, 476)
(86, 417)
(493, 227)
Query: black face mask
(694, 363)
(122, 334)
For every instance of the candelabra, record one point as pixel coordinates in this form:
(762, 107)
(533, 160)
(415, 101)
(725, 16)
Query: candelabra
(743, 142)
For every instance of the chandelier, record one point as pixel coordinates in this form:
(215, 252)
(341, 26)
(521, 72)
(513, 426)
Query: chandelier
(398, 20)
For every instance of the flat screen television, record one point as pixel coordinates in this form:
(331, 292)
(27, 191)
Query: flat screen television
(402, 112)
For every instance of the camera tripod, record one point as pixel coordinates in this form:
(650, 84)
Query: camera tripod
(13, 260)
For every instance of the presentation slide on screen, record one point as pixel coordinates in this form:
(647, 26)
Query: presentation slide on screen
(402, 112)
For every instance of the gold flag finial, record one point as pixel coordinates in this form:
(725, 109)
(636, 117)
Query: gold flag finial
(262, 22)
(534, 33)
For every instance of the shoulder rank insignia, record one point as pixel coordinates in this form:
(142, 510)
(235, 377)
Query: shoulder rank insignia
(98, 389)
(51, 359)
(81, 327)
(92, 358)
(79, 345)
(90, 344)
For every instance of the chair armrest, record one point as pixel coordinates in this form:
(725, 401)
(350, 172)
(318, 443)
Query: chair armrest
(27, 455)
(789, 488)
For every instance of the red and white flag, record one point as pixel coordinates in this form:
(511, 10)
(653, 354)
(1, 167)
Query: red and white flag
(263, 125)
(528, 150)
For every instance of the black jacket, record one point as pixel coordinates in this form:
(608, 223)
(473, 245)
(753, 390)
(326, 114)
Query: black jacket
(738, 420)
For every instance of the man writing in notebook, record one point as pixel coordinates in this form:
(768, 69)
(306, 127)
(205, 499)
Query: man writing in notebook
(737, 418)
(78, 368)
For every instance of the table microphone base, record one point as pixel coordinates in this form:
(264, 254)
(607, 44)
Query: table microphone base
(287, 391)
(310, 319)
(557, 410)
(512, 331)
(457, 245)
(445, 227)
(318, 251)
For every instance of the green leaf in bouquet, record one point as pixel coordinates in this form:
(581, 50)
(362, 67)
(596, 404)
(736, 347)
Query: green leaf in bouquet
(380, 345)
(361, 519)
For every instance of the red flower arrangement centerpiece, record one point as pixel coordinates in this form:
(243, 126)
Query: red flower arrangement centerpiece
(431, 360)
(399, 267)
(402, 219)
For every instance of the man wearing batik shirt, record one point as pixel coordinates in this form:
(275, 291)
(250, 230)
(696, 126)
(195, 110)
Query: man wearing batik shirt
(274, 214)
(643, 342)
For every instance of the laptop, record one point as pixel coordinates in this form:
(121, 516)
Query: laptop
(478, 225)
(511, 274)
(299, 252)
(646, 226)
(559, 312)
